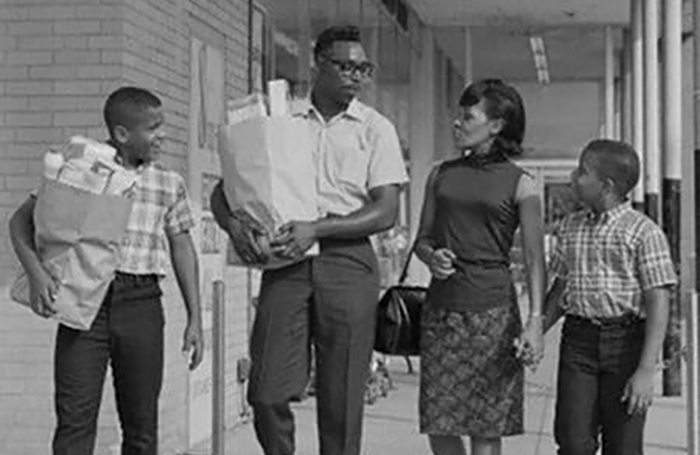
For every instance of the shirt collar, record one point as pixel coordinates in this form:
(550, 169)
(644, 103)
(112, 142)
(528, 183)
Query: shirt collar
(611, 214)
(305, 108)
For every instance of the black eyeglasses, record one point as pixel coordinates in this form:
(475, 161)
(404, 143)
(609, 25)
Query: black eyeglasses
(350, 67)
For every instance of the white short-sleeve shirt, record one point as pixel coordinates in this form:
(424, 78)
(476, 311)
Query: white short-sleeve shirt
(354, 152)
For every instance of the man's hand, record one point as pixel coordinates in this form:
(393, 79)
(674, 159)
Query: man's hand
(43, 290)
(294, 239)
(530, 346)
(639, 391)
(442, 263)
(244, 236)
(193, 344)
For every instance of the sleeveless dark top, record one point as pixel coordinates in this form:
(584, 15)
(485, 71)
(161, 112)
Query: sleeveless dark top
(476, 216)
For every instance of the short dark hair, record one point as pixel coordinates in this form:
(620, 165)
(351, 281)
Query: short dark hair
(615, 160)
(336, 33)
(502, 101)
(124, 102)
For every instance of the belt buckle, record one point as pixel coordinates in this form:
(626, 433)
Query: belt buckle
(596, 322)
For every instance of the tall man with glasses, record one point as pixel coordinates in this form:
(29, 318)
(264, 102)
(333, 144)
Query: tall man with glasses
(328, 300)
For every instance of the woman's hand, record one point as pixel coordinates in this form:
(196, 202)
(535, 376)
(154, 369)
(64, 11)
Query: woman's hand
(442, 263)
(530, 346)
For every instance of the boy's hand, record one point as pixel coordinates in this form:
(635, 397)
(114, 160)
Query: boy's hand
(442, 263)
(530, 346)
(639, 391)
(193, 344)
(43, 290)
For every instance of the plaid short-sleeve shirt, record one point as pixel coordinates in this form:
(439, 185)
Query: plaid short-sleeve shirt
(609, 260)
(161, 209)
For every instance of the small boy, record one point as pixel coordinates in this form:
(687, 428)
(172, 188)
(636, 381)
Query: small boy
(614, 271)
(128, 330)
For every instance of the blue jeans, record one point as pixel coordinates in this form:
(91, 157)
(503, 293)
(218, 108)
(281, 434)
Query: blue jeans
(128, 334)
(596, 361)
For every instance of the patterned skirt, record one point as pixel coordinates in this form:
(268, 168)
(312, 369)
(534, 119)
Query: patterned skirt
(471, 382)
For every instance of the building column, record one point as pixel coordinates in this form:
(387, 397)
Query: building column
(626, 87)
(672, 153)
(422, 136)
(651, 109)
(637, 44)
(693, 313)
(305, 51)
(468, 57)
(609, 83)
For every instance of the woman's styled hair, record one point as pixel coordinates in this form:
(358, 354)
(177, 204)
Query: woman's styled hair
(501, 101)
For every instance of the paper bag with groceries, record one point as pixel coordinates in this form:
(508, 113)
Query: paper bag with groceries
(268, 169)
(81, 212)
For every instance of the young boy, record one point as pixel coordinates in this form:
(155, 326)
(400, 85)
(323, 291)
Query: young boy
(614, 271)
(128, 331)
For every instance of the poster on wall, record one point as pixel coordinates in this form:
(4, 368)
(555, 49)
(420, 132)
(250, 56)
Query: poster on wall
(207, 95)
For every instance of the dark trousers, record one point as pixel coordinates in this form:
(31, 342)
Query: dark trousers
(595, 363)
(330, 301)
(128, 333)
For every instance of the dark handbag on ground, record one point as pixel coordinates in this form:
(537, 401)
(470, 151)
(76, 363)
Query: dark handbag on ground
(398, 317)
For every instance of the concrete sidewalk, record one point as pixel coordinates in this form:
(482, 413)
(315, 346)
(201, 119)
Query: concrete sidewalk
(391, 424)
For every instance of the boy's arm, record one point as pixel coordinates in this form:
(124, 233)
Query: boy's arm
(639, 390)
(42, 287)
(552, 308)
(657, 276)
(184, 260)
(22, 236)
(656, 302)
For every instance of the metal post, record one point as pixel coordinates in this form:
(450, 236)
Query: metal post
(651, 108)
(218, 370)
(693, 360)
(671, 194)
(609, 83)
(637, 44)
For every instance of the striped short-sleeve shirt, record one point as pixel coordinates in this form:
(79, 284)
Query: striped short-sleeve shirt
(609, 260)
(161, 209)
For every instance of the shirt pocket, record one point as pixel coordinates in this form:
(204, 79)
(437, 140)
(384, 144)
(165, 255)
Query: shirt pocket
(349, 161)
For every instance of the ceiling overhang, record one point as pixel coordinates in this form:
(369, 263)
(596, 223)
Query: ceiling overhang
(521, 13)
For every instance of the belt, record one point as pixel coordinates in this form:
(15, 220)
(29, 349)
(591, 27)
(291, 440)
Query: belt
(607, 322)
(133, 279)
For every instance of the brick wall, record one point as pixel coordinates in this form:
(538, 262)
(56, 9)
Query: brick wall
(58, 61)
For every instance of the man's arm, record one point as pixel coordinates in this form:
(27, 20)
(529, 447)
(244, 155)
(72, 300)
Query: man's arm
(377, 216)
(296, 237)
(242, 236)
(184, 260)
(42, 287)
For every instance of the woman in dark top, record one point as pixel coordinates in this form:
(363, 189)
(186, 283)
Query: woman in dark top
(473, 345)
